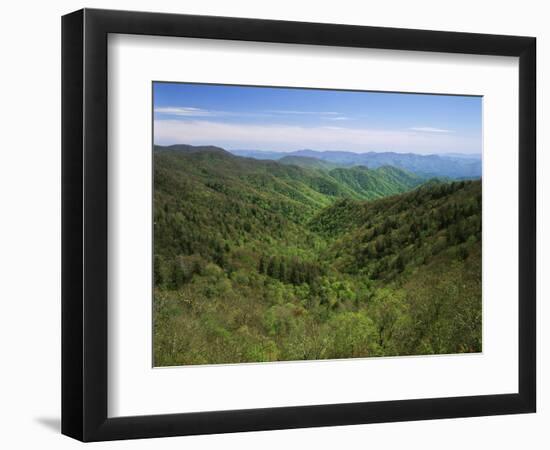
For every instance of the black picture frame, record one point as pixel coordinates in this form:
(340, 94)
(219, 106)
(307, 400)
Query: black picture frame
(84, 224)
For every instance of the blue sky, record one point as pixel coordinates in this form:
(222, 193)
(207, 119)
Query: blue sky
(282, 119)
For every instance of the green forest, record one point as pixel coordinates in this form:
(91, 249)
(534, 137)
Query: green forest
(300, 259)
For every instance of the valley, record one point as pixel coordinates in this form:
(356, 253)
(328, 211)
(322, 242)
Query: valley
(299, 257)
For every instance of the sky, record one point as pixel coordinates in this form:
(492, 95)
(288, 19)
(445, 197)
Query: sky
(284, 119)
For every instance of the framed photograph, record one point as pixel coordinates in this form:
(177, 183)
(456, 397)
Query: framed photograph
(273, 224)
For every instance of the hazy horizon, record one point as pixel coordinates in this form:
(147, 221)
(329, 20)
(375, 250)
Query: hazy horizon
(344, 151)
(259, 150)
(285, 120)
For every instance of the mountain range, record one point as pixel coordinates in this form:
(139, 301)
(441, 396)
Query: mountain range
(453, 165)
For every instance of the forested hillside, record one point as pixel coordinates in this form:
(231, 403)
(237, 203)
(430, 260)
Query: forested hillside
(263, 261)
(305, 161)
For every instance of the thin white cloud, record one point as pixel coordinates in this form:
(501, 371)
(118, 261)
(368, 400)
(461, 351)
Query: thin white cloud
(292, 137)
(186, 111)
(430, 130)
(338, 118)
(315, 113)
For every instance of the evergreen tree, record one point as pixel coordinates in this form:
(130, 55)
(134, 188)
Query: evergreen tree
(282, 270)
(272, 268)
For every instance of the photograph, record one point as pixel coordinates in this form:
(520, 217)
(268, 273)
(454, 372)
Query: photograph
(295, 224)
(252, 225)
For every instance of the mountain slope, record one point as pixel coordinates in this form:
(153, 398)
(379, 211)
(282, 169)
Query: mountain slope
(302, 186)
(376, 183)
(307, 162)
(381, 238)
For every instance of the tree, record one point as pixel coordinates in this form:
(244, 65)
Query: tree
(282, 270)
(294, 275)
(262, 265)
(178, 275)
(272, 268)
(399, 264)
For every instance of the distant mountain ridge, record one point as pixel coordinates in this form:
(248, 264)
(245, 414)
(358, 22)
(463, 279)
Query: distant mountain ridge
(192, 148)
(450, 165)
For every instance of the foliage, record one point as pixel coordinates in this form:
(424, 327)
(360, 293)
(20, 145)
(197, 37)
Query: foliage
(261, 261)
